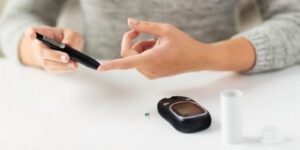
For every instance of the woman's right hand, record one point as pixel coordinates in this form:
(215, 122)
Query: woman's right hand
(34, 53)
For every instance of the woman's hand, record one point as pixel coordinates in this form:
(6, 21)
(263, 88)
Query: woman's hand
(34, 53)
(171, 53)
(175, 52)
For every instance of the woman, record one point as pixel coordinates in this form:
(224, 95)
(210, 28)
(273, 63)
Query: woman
(272, 45)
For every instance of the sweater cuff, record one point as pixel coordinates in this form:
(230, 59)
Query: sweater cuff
(260, 42)
(11, 40)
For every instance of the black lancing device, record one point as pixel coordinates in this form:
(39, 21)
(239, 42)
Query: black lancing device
(74, 54)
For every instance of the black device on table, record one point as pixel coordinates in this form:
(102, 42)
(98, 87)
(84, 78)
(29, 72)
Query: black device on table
(74, 54)
(184, 114)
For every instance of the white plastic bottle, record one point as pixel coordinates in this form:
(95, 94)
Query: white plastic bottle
(231, 116)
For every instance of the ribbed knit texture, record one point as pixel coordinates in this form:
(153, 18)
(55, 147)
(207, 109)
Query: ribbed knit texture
(276, 41)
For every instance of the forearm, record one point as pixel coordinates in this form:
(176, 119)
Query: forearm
(269, 46)
(276, 40)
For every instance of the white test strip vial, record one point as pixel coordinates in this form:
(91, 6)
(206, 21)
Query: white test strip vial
(231, 116)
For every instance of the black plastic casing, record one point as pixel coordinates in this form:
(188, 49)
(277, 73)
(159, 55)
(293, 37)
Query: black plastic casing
(74, 54)
(187, 125)
(81, 58)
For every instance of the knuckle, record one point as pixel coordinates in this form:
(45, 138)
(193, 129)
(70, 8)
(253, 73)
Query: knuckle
(168, 28)
(147, 26)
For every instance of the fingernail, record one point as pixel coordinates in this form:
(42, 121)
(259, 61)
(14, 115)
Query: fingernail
(64, 58)
(133, 22)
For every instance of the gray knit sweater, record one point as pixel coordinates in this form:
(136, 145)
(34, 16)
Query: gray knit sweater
(277, 40)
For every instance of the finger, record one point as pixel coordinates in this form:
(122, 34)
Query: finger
(138, 48)
(46, 53)
(122, 63)
(53, 65)
(128, 37)
(141, 46)
(53, 55)
(73, 39)
(48, 31)
(153, 28)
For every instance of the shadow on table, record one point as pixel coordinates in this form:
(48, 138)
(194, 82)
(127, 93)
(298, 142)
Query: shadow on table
(99, 86)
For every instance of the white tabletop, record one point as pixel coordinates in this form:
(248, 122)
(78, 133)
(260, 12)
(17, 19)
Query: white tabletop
(87, 110)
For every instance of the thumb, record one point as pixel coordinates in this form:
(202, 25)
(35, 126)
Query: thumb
(73, 39)
(153, 28)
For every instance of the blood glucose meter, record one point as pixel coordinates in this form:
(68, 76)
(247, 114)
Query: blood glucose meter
(184, 114)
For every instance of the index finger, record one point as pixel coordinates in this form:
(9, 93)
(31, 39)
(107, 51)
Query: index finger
(122, 63)
(147, 27)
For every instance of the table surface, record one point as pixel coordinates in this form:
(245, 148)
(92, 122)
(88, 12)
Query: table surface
(91, 111)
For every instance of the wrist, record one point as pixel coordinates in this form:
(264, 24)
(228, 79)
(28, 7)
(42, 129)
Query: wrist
(232, 55)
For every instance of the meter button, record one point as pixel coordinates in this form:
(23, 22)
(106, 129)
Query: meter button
(166, 103)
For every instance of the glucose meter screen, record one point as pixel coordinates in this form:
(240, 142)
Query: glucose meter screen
(186, 109)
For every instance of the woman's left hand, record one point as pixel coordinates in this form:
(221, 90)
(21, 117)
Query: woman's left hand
(173, 52)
